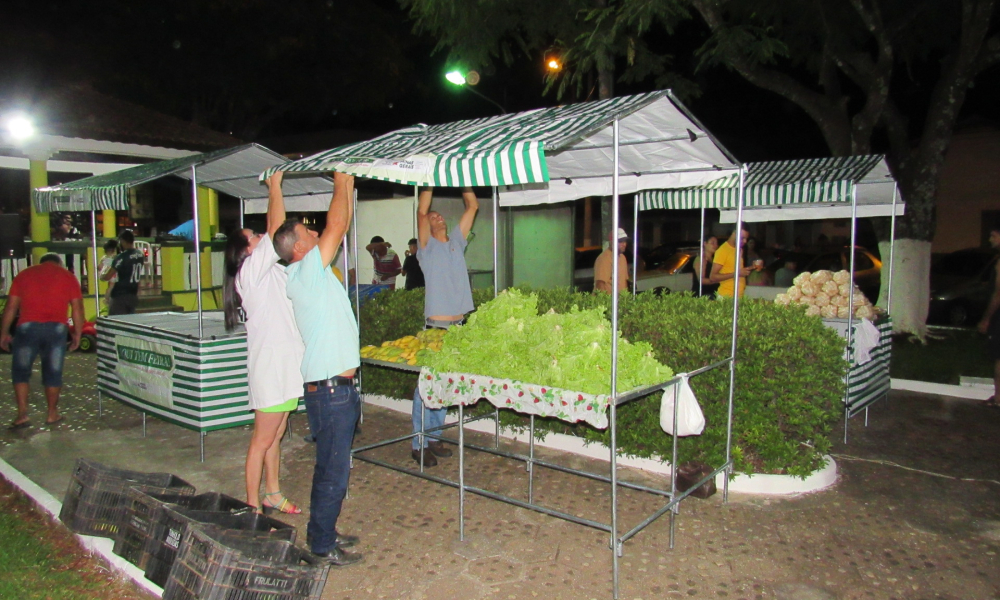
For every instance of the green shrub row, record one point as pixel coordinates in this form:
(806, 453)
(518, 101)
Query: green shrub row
(789, 375)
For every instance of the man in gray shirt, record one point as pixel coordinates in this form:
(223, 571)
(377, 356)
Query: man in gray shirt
(448, 297)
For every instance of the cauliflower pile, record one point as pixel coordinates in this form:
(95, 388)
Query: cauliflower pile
(828, 295)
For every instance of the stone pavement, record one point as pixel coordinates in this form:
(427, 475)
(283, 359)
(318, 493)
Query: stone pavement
(883, 532)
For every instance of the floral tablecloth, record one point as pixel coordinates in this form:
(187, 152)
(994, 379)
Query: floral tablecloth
(441, 390)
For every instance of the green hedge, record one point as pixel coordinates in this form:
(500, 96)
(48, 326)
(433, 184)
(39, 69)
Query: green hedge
(789, 386)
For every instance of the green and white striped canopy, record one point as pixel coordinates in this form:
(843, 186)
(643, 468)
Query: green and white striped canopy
(521, 149)
(791, 190)
(232, 171)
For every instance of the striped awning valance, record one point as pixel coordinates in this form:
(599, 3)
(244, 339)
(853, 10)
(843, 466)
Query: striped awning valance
(821, 180)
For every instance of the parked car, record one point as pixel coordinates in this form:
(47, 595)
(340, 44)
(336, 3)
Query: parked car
(658, 256)
(961, 284)
(675, 273)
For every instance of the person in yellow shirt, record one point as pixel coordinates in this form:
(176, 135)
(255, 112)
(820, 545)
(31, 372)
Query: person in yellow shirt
(724, 266)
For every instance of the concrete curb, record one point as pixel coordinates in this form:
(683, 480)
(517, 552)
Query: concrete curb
(775, 485)
(96, 545)
(974, 389)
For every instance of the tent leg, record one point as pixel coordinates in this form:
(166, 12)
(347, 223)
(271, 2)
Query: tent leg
(201, 439)
(496, 431)
(143, 424)
(461, 473)
(530, 464)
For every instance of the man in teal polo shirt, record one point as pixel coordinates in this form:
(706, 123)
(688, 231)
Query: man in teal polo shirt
(329, 332)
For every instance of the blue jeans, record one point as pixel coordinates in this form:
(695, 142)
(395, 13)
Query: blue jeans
(433, 417)
(333, 414)
(32, 339)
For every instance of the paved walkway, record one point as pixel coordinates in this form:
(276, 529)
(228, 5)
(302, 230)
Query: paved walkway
(882, 532)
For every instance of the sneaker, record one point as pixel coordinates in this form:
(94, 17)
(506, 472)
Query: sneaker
(338, 557)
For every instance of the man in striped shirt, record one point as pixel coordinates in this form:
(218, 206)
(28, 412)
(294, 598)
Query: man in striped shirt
(387, 265)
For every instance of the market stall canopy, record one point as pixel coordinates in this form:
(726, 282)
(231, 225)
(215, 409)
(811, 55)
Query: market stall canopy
(544, 155)
(820, 188)
(231, 171)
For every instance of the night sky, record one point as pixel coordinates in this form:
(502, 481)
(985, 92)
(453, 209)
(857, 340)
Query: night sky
(264, 71)
(318, 65)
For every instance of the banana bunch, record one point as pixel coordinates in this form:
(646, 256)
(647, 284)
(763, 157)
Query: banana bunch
(410, 349)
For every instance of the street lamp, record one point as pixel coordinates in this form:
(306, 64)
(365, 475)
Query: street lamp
(19, 127)
(468, 80)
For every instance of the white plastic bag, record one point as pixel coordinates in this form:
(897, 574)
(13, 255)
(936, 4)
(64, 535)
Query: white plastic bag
(690, 419)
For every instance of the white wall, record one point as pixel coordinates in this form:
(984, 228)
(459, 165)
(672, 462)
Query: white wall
(395, 220)
(392, 218)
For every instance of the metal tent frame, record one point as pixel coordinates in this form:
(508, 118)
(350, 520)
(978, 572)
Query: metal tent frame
(232, 171)
(823, 188)
(572, 166)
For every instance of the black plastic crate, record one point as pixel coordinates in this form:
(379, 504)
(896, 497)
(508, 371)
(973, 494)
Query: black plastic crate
(218, 565)
(95, 498)
(143, 509)
(164, 540)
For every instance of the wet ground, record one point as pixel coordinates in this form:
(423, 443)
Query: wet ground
(915, 514)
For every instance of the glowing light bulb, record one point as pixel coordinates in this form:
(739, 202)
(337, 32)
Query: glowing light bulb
(20, 127)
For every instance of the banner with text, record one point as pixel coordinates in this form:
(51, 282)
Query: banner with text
(146, 369)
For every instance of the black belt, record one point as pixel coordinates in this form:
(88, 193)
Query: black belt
(312, 386)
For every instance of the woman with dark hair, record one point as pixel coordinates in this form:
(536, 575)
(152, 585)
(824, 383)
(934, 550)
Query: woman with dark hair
(254, 285)
(703, 269)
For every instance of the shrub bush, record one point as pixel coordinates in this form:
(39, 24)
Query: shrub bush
(789, 386)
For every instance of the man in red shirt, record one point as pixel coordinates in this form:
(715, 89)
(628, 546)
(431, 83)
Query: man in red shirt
(41, 294)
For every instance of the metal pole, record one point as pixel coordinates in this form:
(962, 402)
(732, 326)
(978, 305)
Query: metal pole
(701, 253)
(461, 471)
(242, 211)
(614, 366)
(529, 464)
(736, 315)
(345, 243)
(97, 293)
(201, 438)
(197, 246)
(673, 466)
(892, 247)
(850, 314)
(635, 245)
(496, 217)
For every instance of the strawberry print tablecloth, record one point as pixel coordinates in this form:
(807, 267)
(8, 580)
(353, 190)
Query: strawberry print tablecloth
(441, 390)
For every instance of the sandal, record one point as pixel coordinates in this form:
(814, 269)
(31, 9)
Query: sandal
(285, 506)
(991, 402)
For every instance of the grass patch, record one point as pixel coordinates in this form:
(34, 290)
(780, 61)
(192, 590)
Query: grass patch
(951, 354)
(40, 559)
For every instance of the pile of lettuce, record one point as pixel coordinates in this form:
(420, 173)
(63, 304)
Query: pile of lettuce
(507, 338)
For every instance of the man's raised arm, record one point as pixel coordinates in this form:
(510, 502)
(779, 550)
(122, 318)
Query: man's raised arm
(471, 208)
(338, 218)
(423, 223)
(275, 203)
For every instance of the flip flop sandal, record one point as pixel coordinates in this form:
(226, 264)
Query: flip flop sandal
(991, 402)
(19, 426)
(56, 422)
(285, 506)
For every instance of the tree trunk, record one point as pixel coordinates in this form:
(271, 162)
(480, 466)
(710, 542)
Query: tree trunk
(911, 290)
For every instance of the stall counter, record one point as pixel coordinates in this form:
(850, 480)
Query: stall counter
(157, 363)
